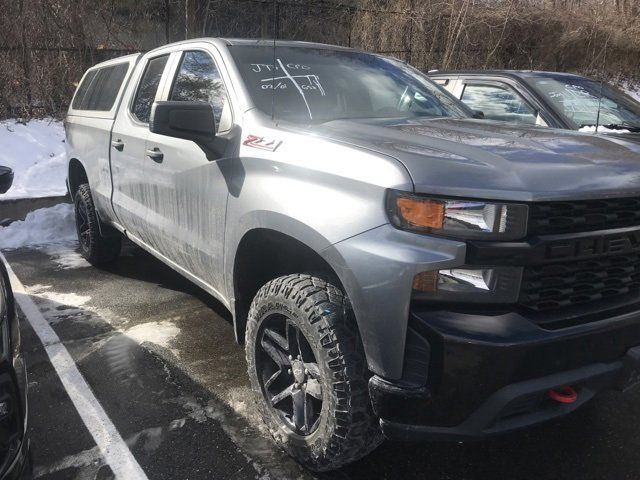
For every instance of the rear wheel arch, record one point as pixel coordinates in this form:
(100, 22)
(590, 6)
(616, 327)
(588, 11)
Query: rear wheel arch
(76, 176)
(264, 254)
(96, 247)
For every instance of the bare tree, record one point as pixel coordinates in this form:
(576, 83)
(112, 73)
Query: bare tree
(46, 45)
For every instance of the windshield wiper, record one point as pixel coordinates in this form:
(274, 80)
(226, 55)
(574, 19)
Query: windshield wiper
(616, 126)
(623, 126)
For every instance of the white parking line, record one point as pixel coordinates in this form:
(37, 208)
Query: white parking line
(115, 451)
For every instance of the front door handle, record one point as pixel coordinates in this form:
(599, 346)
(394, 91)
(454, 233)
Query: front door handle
(118, 145)
(155, 154)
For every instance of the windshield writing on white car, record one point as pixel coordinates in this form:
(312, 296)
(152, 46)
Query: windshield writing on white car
(578, 99)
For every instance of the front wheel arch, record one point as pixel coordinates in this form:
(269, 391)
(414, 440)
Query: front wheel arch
(264, 254)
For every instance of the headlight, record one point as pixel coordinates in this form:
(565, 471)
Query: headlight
(464, 219)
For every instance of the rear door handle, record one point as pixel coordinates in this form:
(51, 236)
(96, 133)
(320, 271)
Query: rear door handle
(155, 154)
(118, 145)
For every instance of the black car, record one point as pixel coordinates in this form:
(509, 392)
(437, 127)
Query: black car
(14, 443)
(559, 100)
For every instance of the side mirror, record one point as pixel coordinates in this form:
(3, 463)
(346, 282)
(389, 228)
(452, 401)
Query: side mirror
(187, 120)
(6, 179)
(478, 114)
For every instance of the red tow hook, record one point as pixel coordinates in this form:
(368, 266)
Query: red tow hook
(563, 395)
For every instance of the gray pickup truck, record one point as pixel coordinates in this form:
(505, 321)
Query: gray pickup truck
(394, 267)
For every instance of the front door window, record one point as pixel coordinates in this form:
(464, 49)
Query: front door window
(198, 80)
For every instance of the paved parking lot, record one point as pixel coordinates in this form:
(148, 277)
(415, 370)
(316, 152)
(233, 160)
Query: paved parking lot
(159, 356)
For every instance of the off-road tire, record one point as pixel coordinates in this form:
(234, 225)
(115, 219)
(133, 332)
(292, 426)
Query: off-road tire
(94, 247)
(7, 307)
(347, 429)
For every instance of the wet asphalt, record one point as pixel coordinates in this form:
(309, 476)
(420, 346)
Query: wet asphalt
(160, 356)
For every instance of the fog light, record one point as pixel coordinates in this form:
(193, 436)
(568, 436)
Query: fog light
(462, 279)
(453, 279)
(488, 285)
(426, 281)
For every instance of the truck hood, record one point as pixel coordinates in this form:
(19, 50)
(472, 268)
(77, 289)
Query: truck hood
(492, 160)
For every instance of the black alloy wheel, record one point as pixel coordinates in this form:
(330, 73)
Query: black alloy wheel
(308, 371)
(82, 227)
(96, 248)
(289, 374)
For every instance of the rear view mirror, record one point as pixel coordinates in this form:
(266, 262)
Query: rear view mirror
(6, 179)
(478, 114)
(187, 120)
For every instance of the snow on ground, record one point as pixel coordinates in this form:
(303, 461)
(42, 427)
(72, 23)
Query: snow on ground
(46, 226)
(66, 256)
(67, 299)
(36, 153)
(160, 333)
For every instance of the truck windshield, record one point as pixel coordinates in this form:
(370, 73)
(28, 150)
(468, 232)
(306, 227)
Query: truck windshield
(314, 85)
(578, 100)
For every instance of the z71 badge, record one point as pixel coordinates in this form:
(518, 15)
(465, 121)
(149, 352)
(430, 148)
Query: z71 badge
(262, 143)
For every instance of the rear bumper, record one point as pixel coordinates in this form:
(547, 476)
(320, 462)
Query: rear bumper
(488, 375)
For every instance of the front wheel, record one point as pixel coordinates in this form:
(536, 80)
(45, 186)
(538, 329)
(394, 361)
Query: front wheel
(94, 247)
(308, 372)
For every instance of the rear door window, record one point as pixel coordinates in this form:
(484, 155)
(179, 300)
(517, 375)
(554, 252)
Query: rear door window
(499, 102)
(148, 87)
(198, 80)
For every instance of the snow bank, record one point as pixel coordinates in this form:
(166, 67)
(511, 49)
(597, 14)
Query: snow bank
(46, 226)
(36, 153)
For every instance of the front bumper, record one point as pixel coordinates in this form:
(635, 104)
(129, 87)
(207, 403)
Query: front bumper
(489, 374)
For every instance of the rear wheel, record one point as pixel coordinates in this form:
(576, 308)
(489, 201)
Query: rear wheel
(94, 247)
(308, 372)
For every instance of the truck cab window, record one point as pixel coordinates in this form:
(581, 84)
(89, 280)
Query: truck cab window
(499, 102)
(148, 87)
(198, 80)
